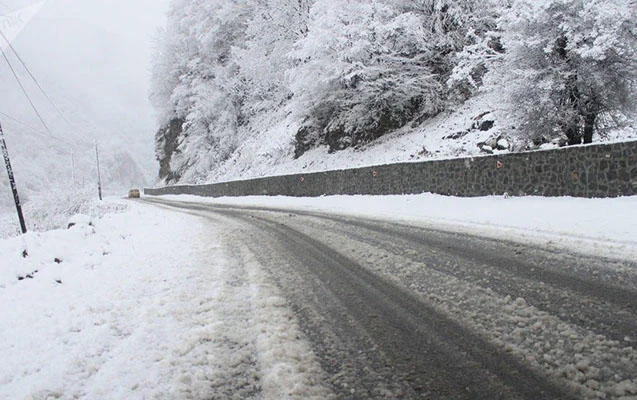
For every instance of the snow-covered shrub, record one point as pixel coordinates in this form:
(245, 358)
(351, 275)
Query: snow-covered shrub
(53, 210)
(472, 63)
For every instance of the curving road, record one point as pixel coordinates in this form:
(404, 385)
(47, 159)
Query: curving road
(400, 311)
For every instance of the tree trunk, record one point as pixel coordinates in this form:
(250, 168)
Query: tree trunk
(589, 127)
(572, 132)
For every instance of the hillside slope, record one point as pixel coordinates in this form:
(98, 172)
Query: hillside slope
(260, 89)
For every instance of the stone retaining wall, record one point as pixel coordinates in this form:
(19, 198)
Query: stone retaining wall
(606, 170)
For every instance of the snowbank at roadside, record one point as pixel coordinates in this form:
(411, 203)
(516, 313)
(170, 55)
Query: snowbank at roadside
(602, 227)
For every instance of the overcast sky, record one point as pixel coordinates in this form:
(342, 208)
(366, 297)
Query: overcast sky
(131, 18)
(134, 20)
(114, 72)
(137, 20)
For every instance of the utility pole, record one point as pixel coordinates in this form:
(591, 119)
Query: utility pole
(99, 175)
(14, 188)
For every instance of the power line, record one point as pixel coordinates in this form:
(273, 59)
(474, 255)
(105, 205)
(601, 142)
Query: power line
(35, 109)
(24, 65)
(48, 98)
(37, 83)
(38, 131)
(15, 75)
(24, 124)
(35, 80)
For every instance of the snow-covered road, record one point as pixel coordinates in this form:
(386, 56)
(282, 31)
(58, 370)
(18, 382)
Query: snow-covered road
(204, 299)
(393, 310)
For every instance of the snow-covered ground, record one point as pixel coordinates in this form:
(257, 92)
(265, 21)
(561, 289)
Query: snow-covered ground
(141, 304)
(602, 227)
(144, 303)
(451, 134)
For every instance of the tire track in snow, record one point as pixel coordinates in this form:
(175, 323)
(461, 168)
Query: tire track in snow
(389, 334)
(570, 350)
(235, 373)
(597, 365)
(288, 367)
(609, 310)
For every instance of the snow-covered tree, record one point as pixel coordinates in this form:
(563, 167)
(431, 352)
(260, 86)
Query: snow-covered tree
(345, 72)
(362, 72)
(195, 86)
(273, 28)
(464, 37)
(476, 43)
(369, 67)
(570, 64)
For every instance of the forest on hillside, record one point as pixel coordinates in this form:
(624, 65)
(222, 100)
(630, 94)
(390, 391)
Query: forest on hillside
(297, 75)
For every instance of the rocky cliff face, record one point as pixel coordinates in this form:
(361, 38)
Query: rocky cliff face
(167, 140)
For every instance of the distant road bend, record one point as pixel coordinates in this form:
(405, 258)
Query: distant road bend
(401, 311)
